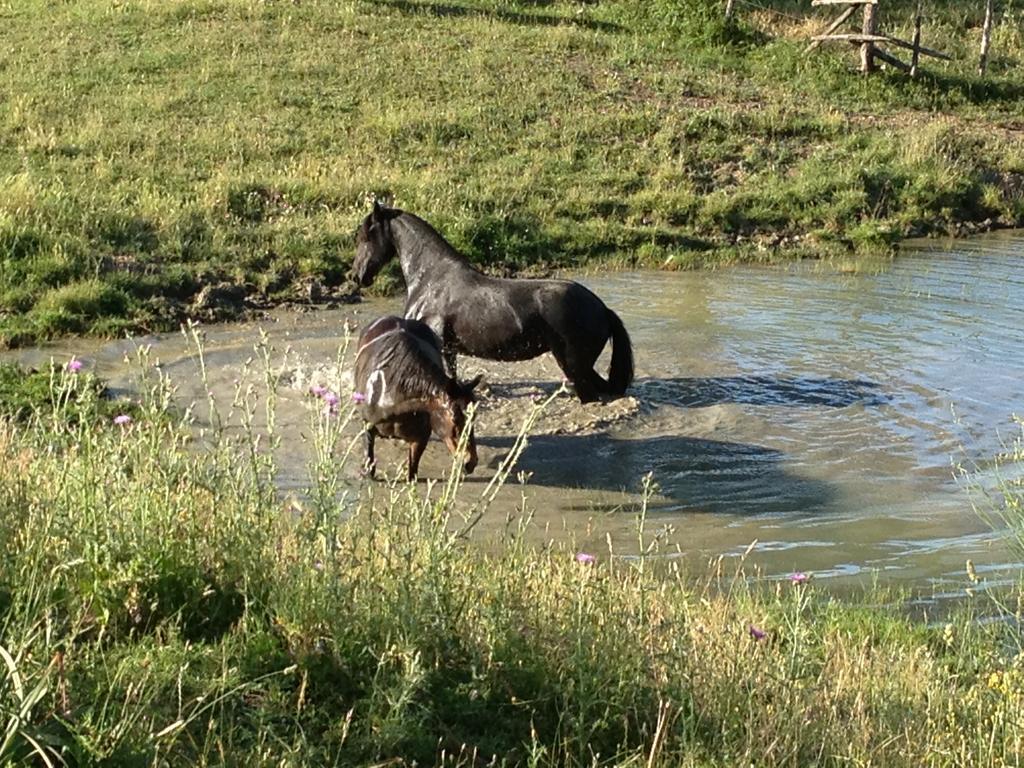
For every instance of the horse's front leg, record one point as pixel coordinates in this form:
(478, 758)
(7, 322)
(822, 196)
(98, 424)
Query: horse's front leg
(450, 360)
(437, 324)
(370, 464)
(448, 351)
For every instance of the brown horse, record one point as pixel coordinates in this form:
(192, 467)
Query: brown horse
(491, 317)
(402, 391)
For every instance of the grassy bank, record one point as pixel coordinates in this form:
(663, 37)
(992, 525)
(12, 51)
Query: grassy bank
(149, 150)
(160, 605)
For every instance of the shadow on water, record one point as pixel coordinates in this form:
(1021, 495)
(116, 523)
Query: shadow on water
(789, 391)
(513, 17)
(705, 391)
(693, 474)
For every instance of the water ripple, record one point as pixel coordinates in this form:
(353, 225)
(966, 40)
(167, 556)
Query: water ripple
(861, 392)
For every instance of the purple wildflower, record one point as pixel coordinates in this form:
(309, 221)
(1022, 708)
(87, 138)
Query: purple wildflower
(757, 634)
(799, 577)
(583, 557)
(330, 398)
(122, 419)
(74, 365)
(317, 391)
(358, 397)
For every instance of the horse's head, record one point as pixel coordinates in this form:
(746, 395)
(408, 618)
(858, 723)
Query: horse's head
(374, 244)
(449, 421)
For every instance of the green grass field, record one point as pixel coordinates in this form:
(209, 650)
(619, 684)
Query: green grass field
(150, 148)
(161, 605)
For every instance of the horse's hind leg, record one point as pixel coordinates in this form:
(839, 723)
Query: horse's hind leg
(588, 385)
(416, 450)
(579, 370)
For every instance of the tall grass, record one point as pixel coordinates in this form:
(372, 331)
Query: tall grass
(161, 604)
(998, 488)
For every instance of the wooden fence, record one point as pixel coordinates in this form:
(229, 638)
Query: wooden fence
(872, 42)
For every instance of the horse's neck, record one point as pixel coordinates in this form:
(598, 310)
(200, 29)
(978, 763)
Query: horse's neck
(424, 254)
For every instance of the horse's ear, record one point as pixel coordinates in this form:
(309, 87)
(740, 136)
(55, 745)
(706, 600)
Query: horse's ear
(377, 209)
(459, 390)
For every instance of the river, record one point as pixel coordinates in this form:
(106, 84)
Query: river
(820, 412)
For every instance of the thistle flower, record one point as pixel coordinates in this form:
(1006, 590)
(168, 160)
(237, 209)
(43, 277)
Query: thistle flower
(74, 365)
(757, 634)
(583, 557)
(122, 419)
(317, 391)
(799, 577)
(358, 397)
(330, 398)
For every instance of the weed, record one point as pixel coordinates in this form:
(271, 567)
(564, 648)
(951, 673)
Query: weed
(161, 604)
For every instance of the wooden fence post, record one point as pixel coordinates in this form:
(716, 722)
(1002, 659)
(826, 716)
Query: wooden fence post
(916, 55)
(986, 36)
(867, 48)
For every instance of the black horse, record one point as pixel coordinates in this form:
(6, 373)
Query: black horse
(402, 391)
(492, 317)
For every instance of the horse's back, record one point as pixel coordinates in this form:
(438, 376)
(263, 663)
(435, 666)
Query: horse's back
(376, 329)
(517, 319)
(401, 327)
(567, 304)
(423, 334)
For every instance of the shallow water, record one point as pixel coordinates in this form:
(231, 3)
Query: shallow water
(818, 412)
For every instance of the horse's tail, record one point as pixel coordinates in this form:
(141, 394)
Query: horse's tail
(620, 372)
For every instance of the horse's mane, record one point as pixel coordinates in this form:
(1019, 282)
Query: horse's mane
(414, 371)
(428, 238)
(418, 375)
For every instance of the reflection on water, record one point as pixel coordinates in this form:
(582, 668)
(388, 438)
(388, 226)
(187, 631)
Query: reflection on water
(821, 413)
